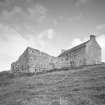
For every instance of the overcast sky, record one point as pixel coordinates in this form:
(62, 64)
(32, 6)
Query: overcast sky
(48, 25)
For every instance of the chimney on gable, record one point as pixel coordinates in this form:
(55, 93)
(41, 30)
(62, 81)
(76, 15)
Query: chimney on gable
(92, 37)
(63, 50)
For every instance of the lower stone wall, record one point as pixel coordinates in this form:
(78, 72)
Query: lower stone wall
(55, 63)
(36, 61)
(17, 67)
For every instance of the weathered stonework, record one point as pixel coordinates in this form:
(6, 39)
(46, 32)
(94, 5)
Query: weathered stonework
(87, 53)
(33, 60)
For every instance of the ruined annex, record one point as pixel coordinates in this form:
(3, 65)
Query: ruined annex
(33, 60)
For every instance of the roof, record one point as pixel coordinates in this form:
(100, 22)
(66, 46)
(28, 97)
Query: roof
(38, 51)
(74, 48)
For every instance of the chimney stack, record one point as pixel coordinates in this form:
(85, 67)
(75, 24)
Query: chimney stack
(92, 37)
(63, 50)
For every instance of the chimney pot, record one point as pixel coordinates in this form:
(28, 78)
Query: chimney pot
(92, 37)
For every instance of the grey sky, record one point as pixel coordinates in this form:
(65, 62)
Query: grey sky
(48, 25)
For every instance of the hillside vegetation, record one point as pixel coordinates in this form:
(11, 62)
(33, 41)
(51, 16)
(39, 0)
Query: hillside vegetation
(82, 86)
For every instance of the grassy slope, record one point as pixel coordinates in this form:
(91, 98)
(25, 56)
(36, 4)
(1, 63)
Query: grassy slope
(73, 87)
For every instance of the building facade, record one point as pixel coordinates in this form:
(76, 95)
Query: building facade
(33, 60)
(87, 53)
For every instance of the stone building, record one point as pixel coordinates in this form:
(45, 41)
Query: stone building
(87, 53)
(33, 60)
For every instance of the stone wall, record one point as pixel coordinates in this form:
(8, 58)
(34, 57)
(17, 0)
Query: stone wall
(21, 64)
(39, 61)
(60, 62)
(93, 52)
(33, 60)
(76, 57)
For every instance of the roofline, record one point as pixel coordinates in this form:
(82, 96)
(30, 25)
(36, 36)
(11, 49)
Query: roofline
(74, 48)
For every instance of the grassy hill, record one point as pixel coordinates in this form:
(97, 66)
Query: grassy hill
(82, 86)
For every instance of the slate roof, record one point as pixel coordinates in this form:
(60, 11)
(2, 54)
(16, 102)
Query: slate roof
(74, 48)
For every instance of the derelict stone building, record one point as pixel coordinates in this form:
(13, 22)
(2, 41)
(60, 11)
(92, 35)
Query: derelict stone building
(33, 60)
(87, 53)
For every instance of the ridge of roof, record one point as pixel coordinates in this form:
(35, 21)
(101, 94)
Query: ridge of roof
(74, 48)
(39, 51)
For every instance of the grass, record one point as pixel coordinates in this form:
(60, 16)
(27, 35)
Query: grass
(83, 86)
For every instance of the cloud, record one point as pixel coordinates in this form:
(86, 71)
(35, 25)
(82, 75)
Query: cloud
(75, 42)
(81, 2)
(76, 18)
(101, 41)
(100, 27)
(46, 35)
(38, 12)
(46, 41)
(2, 0)
(11, 46)
(63, 19)
(25, 20)
(17, 14)
(49, 33)
(27, 17)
